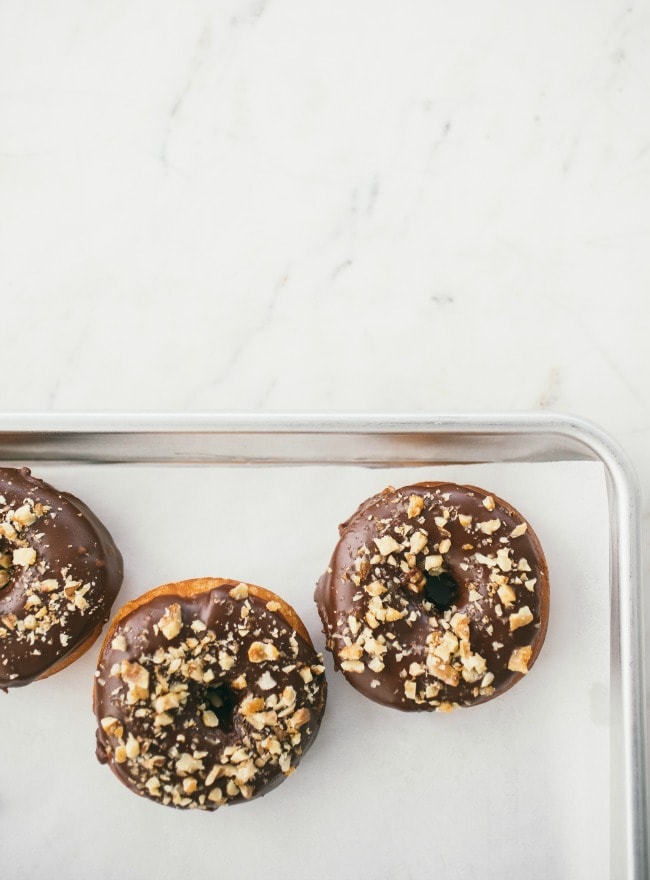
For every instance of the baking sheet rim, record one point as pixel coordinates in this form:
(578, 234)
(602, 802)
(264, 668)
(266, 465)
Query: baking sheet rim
(627, 654)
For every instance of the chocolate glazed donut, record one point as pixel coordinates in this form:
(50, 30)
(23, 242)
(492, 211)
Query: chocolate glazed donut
(59, 575)
(436, 596)
(208, 692)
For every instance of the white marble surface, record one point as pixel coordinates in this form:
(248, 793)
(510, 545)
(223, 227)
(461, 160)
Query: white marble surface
(344, 206)
(357, 205)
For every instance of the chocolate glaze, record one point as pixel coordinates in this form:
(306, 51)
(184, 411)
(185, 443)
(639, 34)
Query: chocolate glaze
(62, 573)
(274, 704)
(434, 658)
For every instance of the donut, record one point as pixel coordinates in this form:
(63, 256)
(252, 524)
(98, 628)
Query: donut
(60, 573)
(207, 693)
(436, 597)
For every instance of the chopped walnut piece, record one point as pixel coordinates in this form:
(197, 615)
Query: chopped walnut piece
(507, 595)
(351, 652)
(239, 592)
(226, 660)
(217, 796)
(112, 726)
(433, 562)
(216, 773)
(251, 705)
(165, 702)
(519, 659)
(24, 556)
(49, 585)
(465, 520)
(415, 506)
(266, 681)
(260, 651)
(132, 747)
(188, 764)
(24, 515)
(387, 545)
(300, 717)
(153, 786)
(503, 559)
(446, 647)
(488, 527)
(443, 671)
(417, 542)
(189, 785)
(119, 643)
(522, 617)
(209, 718)
(394, 614)
(519, 530)
(460, 625)
(410, 690)
(137, 678)
(444, 546)
(488, 502)
(273, 606)
(8, 531)
(447, 707)
(171, 622)
(375, 588)
(352, 666)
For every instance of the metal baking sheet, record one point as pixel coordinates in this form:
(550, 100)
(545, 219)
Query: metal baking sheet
(102, 443)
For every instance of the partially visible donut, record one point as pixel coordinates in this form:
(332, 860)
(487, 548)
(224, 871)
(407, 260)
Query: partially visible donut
(208, 692)
(436, 596)
(60, 572)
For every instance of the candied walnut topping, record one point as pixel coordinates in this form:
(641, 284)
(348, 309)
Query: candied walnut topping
(423, 592)
(522, 617)
(387, 545)
(171, 622)
(214, 714)
(239, 592)
(519, 658)
(43, 608)
(258, 652)
(415, 505)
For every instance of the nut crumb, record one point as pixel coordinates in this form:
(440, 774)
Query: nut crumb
(239, 592)
(522, 617)
(387, 545)
(415, 506)
(519, 659)
(171, 622)
(24, 556)
(258, 652)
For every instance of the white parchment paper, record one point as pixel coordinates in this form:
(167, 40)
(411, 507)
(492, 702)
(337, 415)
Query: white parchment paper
(518, 787)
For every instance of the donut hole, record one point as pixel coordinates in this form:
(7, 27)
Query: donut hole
(221, 700)
(441, 590)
